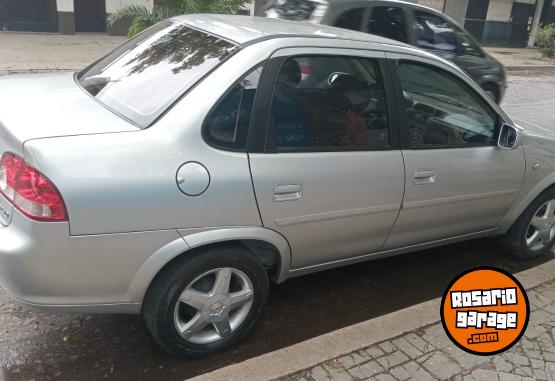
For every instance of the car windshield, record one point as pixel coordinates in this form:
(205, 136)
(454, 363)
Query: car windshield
(144, 76)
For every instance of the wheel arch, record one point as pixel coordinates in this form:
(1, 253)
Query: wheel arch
(270, 247)
(514, 213)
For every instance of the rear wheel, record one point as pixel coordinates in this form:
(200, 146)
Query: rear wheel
(207, 302)
(533, 234)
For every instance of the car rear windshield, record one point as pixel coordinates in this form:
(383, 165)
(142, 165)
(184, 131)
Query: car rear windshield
(145, 75)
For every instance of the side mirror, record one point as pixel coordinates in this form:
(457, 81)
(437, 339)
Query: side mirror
(509, 137)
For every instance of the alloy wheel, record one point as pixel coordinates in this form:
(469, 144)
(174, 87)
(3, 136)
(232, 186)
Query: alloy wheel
(213, 305)
(541, 229)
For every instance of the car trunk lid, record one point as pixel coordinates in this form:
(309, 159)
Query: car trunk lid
(34, 106)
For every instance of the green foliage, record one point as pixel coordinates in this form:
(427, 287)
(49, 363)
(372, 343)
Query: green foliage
(142, 17)
(205, 6)
(545, 38)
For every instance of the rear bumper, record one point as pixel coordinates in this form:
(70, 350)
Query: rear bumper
(44, 267)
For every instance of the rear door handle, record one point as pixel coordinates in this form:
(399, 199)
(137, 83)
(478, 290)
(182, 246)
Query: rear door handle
(424, 176)
(287, 192)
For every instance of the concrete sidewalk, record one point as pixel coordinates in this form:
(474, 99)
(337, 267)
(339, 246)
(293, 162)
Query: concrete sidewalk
(49, 52)
(516, 59)
(411, 345)
(20, 52)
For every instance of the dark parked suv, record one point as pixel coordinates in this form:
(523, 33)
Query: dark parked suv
(413, 24)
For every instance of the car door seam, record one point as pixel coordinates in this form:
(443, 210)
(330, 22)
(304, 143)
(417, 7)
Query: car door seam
(402, 204)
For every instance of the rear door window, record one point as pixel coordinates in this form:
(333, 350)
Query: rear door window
(228, 124)
(434, 33)
(328, 103)
(388, 22)
(467, 47)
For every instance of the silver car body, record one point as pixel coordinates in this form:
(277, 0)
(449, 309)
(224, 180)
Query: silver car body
(128, 219)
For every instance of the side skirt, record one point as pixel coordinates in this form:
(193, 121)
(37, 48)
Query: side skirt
(388, 253)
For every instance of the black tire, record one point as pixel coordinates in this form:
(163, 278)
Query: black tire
(493, 91)
(514, 241)
(163, 294)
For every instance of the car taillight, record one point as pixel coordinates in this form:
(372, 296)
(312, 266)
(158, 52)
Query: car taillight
(29, 190)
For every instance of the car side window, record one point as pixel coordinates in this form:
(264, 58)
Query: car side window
(467, 47)
(388, 22)
(328, 103)
(227, 124)
(434, 33)
(350, 19)
(442, 111)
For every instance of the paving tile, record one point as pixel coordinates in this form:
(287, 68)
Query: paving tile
(393, 359)
(439, 365)
(375, 352)
(422, 345)
(407, 348)
(427, 354)
(365, 370)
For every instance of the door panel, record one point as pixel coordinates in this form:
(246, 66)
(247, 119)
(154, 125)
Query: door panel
(331, 179)
(476, 14)
(471, 191)
(29, 15)
(522, 17)
(457, 180)
(347, 205)
(90, 16)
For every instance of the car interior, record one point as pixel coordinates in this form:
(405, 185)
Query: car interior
(441, 113)
(326, 102)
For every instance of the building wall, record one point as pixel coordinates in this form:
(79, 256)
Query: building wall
(65, 5)
(29, 15)
(114, 5)
(456, 9)
(499, 10)
(66, 17)
(436, 4)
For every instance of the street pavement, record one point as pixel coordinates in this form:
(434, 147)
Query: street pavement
(426, 354)
(530, 98)
(50, 52)
(36, 345)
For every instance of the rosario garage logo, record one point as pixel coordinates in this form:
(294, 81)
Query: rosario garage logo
(485, 311)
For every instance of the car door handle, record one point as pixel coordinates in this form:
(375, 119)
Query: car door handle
(425, 176)
(287, 192)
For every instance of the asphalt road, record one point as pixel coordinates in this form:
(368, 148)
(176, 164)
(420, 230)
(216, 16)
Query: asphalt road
(531, 98)
(39, 346)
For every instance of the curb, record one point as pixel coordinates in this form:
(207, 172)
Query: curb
(309, 353)
(550, 68)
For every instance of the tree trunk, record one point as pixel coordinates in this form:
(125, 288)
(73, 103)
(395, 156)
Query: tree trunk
(535, 23)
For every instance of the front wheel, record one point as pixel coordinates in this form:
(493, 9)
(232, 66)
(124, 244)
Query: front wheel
(533, 234)
(206, 302)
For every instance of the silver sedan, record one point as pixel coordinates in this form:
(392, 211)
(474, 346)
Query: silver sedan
(180, 174)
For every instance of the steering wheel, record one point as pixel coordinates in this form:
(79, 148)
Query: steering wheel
(335, 76)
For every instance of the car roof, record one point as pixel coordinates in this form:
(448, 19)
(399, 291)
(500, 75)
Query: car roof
(246, 30)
